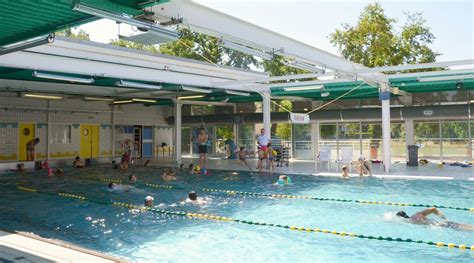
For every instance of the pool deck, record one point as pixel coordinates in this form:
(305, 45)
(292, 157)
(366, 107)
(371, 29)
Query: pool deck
(429, 171)
(25, 247)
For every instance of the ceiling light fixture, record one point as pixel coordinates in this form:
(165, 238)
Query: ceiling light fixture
(42, 96)
(196, 89)
(131, 84)
(153, 28)
(190, 97)
(122, 101)
(303, 88)
(245, 49)
(238, 93)
(98, 99)
(43, 75)
(144, 100)
(441, 78)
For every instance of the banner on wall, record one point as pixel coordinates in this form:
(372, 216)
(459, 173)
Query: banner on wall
(299, 118)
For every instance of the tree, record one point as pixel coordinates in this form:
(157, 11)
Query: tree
(81, 34)
(134, 45)
(283, 130)
(374, 42)
(194, 46)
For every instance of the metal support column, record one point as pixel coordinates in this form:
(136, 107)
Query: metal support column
(266, 112)
(177, 131)
(48, 133)
(113, 131)
(384, 95)
(409, 134)
(315, 138)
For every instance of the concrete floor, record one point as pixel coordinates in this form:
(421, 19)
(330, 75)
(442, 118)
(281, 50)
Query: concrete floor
(398, 170)
(24, 247)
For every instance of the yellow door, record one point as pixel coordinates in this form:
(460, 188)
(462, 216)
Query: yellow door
(26, 133)
(89, 141)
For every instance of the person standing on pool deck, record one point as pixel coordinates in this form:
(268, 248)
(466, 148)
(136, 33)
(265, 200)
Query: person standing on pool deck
(262, 141)
(30, 149)
(421, 218)
(202, 140)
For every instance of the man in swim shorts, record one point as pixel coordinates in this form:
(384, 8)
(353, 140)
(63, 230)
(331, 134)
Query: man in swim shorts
(421, 218)
(202, 140)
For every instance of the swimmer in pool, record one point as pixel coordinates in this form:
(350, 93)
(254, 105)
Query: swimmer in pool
(149, 201)
(421, 218)
(169, 175)
(191, 169)
(345, 172)
(132, 178)
(243, 157)
(283, 180)
(78, 163)
(59, 172)
(194, 199)
(119, 187)
(20, 168)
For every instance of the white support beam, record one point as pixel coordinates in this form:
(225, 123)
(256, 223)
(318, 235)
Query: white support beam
(409, 134)
(307, 83)
(177, 131)
(205, 103)
(386, 137)
(203, 20)
(467, 62)
(266, 112)
(430, 73)
(276, 78)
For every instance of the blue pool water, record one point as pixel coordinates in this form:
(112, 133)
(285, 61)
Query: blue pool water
(155, 237)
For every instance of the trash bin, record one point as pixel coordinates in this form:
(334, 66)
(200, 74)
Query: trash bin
(412, 155)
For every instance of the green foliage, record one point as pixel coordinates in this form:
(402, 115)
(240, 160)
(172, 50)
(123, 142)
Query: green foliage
(374, 42)
(224, 132)
(277, 67)
(238, 59)
(283, 130)
(81, 34)
(134, 45)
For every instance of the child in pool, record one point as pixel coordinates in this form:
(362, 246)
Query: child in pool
(345, 172)
(169, 175)
(20, 168)
(78, 163)
(283, 180)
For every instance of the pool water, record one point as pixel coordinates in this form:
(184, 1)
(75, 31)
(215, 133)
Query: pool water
(146, 236)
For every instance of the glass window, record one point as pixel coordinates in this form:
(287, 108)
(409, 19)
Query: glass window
(247, 137)
(428, 137)
(372, 141)
(397, 142)
(327, 135)
(455, 139)
(302, 144)
(222, 134)
(349, 137)
(60, 134)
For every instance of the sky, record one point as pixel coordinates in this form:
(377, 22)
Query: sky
(451, 22)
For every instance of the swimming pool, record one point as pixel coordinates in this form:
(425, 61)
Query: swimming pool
(151, 236)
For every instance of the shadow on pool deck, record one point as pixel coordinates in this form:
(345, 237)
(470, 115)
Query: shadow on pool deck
(398, 170)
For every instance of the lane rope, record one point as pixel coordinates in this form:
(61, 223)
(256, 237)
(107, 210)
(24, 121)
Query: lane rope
(283, 196)
(228, 219)
(366, 202)
(117, 181)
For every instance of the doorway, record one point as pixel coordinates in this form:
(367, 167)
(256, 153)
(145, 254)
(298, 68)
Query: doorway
(89, 141)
